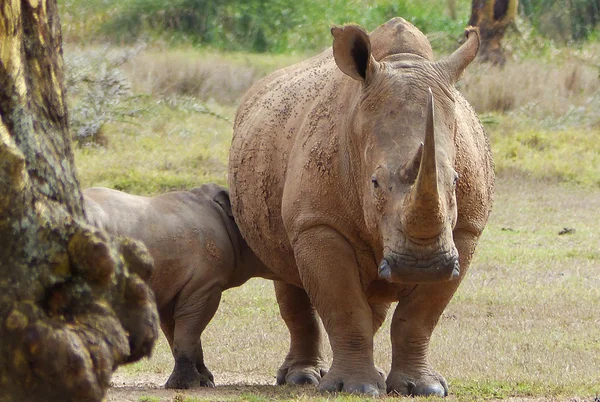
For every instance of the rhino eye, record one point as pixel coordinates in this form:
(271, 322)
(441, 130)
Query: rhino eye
(375, 182)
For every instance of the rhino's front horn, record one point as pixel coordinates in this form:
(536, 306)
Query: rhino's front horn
(423, 215)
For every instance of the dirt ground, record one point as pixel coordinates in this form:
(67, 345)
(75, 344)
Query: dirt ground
(235, 387)
(147, 388)
(229, 387)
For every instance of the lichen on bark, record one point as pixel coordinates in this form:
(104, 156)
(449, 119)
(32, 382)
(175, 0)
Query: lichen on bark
(73, 305)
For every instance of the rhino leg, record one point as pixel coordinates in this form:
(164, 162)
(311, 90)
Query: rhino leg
(414, 320)
(304, 363)
(193, 311)
(167, 323)
(379, 311)
(328, 268)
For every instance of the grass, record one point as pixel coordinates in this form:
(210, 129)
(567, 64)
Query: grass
(524, 323)
(177, 146)
(184, 103)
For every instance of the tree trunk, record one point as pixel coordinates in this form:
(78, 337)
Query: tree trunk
(72, 304)
(492, 17)
(452, 9)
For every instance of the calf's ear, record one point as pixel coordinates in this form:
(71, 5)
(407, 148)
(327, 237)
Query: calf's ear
(222, 198)
(352, 52)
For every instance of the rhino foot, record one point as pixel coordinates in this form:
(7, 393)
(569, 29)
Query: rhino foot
(432, 384)
(185, 376)
(371, 384)
(300, 374)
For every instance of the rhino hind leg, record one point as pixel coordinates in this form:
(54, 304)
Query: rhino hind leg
(414, 320)
(304, 363)
(192, 313)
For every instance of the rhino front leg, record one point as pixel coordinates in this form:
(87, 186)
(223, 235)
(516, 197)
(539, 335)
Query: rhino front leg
(330, 275)
(192, 314)
(414, 320)
(304, 363)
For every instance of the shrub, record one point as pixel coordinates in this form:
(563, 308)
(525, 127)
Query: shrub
(563, 20)
(98, 91)
(272, 25)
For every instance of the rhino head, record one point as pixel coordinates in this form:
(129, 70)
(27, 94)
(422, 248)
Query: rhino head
(403, 126)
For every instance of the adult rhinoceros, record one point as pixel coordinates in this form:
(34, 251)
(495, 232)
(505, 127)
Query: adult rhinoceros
(356, 194)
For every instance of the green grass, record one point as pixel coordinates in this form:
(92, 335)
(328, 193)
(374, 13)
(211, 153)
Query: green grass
(165, 148)
(568, 155)
(149, 399)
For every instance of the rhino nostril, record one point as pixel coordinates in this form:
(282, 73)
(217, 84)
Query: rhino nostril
(456, 269)
(384, 269)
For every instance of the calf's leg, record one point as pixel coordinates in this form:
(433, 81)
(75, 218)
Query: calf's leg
(193, 311)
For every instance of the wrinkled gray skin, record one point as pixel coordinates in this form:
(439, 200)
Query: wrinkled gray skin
(361, 177)
(198, 253)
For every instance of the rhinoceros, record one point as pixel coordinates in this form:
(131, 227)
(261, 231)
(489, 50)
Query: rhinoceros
(361, 177)
(198, 253)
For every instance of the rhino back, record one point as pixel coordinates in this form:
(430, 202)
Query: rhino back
(184, 231)
(114, 211)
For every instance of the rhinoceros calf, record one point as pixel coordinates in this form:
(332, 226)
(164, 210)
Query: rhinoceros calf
(198, 252)
(361, 177)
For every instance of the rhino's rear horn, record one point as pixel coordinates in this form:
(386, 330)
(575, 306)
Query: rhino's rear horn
(409, 172)
(455, 64)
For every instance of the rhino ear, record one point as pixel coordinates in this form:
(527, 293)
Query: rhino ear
(222, 198)
(352, 51)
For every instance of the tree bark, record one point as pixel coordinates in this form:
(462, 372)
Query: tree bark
(492, 17)
(73, 302)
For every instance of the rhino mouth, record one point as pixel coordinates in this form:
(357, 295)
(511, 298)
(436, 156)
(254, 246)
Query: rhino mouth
(407, 268)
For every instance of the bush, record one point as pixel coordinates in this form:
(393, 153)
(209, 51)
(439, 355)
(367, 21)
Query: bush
(271, 25)
(563, 20)
(98, 92)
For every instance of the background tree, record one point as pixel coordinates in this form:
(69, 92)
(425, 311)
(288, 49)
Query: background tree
(73, 305)
(492, 17)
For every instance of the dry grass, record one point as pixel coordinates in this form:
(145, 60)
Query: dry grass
(523, 324)
(540, 90)
(204, 75)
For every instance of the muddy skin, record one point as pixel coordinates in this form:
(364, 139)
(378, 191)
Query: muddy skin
(350, 159)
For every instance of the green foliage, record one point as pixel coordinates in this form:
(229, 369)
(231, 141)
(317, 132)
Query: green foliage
(563, 20)
(262, 25)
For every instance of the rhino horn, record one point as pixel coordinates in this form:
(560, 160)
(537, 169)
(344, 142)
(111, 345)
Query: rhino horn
(423, 211)
(455, 64)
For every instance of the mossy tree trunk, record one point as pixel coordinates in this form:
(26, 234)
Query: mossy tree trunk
(492, 17)
(73, 302)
